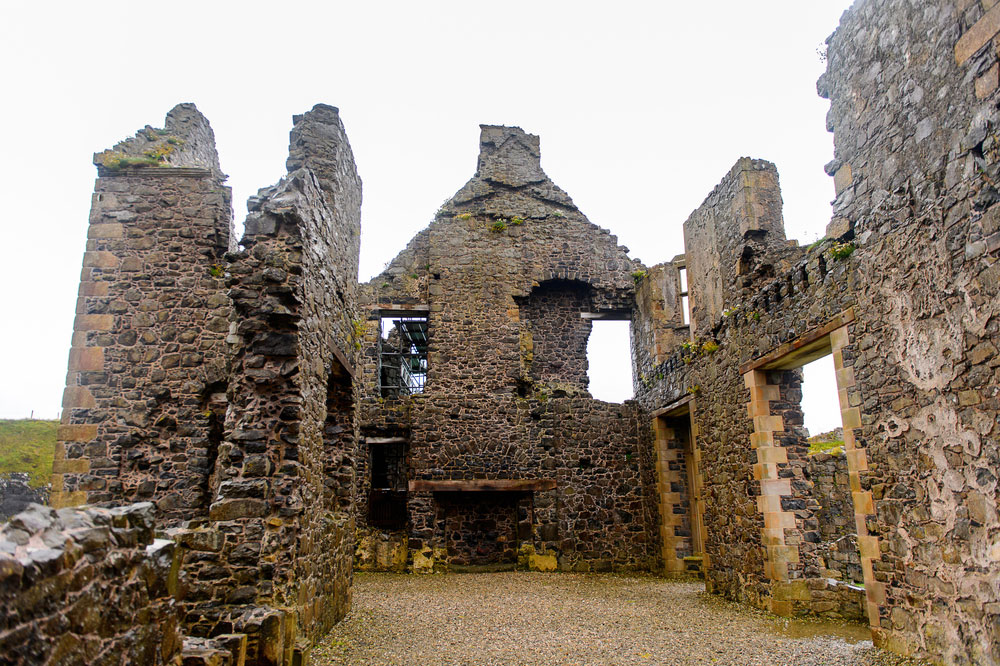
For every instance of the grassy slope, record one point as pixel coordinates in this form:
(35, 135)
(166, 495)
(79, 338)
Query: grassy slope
(28, 446)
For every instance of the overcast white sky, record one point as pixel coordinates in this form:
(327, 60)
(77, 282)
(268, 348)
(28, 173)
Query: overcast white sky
(642, 107)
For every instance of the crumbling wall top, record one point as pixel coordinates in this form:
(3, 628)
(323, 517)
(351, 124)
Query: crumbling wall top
(185, 141)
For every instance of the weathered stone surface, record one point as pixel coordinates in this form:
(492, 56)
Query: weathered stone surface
(907, 304)
(16, 494)
(505, 272)
(229, 388)
(86, 582)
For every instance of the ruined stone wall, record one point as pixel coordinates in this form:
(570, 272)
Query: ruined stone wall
(838, 545)
(503, 273)
(147, 366)
(904, 293)
(918, 193)
(807, 290)
(283, 482)
(247, 449)
(659, 332)
(87, 586)
(16, 494)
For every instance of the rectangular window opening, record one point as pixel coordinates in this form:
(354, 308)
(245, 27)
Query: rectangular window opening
(609, 361)
(685, 301)
(402, 355)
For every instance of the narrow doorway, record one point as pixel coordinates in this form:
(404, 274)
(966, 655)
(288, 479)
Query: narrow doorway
(679, 481)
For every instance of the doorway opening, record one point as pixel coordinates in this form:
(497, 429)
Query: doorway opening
(798, 492)
(679, 482)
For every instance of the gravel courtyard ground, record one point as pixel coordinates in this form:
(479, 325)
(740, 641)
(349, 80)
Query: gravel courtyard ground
(521, 619)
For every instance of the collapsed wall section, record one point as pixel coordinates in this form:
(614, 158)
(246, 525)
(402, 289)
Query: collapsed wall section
(281, 520)
(144, 395)
(87, 585)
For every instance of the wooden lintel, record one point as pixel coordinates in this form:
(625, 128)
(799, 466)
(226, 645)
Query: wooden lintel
(803, 349)
(482, 485)
(676, 406)
(385, 440)
(344, 361)
(402, 309)
(608, 315)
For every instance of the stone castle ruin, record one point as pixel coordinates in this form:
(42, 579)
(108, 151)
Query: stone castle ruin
(246, 424)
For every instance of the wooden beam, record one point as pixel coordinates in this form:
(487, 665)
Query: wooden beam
(393, 309)
(676, 408)
(482, 485)
(803, 349)
(608, 315)
(385, 440)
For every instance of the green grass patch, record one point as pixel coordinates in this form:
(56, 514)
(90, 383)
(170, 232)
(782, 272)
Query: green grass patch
(28, 446)
(825, 447)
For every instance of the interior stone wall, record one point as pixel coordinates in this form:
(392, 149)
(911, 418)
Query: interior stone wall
(503, 273)
(903, 292)
(557, 333)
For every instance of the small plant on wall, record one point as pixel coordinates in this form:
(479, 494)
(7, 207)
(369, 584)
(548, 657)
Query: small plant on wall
(841, 251)
(499, 226)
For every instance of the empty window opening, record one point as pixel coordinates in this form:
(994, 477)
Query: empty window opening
(388, 483)
(609, 358)
(820, 404)
(402, 355)
(685, 301)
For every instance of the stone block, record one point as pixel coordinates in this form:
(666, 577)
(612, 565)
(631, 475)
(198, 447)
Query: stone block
(94, 289)
(100, 259)
(978, 35)
(109, 230)
(131, 265)
(863, 502)
(93, 322)
(776, 487)
(78, 397)
(62, 499)
(772, 454)
(779, 520)
(71, 466)
(851, 418)
(987, 83)
(857, 459)
(768, 423)
(868, 547)
(839, 227)
(76, 433)
(235, 509)
(86, 359)
(843, 179)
